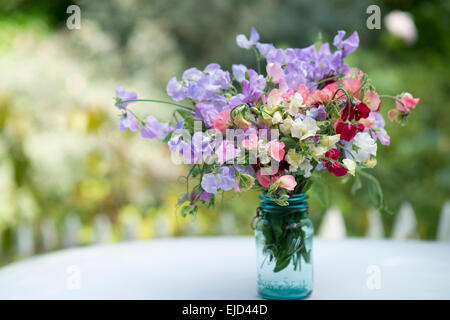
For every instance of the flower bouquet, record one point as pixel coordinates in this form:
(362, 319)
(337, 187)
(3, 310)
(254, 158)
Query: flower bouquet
(301, 112)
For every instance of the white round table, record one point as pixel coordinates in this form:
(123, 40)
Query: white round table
(224, 268)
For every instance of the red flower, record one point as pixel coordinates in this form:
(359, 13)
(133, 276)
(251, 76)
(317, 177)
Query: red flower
(333, 154)
(346, 130)
(336, 169)
(360, 127)
(361, 111)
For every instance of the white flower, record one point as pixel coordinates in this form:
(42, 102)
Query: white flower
(286, 126)
(318, 152)
(367, 146)
(277, 117)
(296, 102)
(306, 167)
(350, 165)
(294, 159)
(303, 129)
(329, 141)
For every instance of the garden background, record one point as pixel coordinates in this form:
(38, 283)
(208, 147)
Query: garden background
(65, 167)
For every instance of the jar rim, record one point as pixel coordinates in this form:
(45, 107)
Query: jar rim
(298, 197)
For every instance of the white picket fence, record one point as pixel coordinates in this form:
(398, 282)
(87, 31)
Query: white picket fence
(332, 226)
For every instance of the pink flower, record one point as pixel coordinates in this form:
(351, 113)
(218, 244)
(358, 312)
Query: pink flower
(276, 150)
(287, 182)
(263, 179)
(352, 85)
(275, 98)
(407, 102)
(368, 123)
(304, 91)
(393, 114)
(222, 121)
(251, 142)
(275, 71)
(372, 100)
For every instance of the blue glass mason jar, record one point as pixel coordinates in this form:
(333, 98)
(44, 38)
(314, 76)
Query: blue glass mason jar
(284, 248)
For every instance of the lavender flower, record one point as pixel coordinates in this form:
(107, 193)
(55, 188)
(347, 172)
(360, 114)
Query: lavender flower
(245, 43)
(123, 95)
(128, 121)
(207, 112)
(239, 71)
(176, 90)
(347, 46)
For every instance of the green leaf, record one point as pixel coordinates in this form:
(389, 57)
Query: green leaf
(320, 190)
(374, 188)
(289, 142)
(356, 184)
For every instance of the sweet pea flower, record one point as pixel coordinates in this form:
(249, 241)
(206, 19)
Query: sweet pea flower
(123, 95)
(366, 147)
(276, 150)
(128, 121)
(347, 46)
(263, 179)
(222, 122)
(393, 114)
(372, 100)
(226, 151)
(303, 129)
(406, 102)
(251, 143)
(151, 129)
(176, 90)
(245, 43)
(239, 71)
(287, 182)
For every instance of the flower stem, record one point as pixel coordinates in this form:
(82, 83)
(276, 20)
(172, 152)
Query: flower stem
(157, 101)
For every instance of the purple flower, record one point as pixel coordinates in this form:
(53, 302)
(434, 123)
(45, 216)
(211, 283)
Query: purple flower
(217, 76)
(206, 112)
(239, 71)
(176, 90)
(347, 46)
(245, 43)
(378, 131)
(205, 196)
(226, 177)
(264, 48)
(192, 75)
(124, 95)
(165, 129)
(153, 129)
(225, 151)
(210, 183)
(317, 113)
(128, 121)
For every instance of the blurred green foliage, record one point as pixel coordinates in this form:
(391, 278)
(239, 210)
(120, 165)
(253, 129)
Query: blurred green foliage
(61, 152)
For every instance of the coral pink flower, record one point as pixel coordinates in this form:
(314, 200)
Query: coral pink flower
(407, 102)
(305, 93)
(222, 121)
(372, 100)
(276, 150)
(368, 123)
(287, 182)
(393, 114)
(352, 85)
